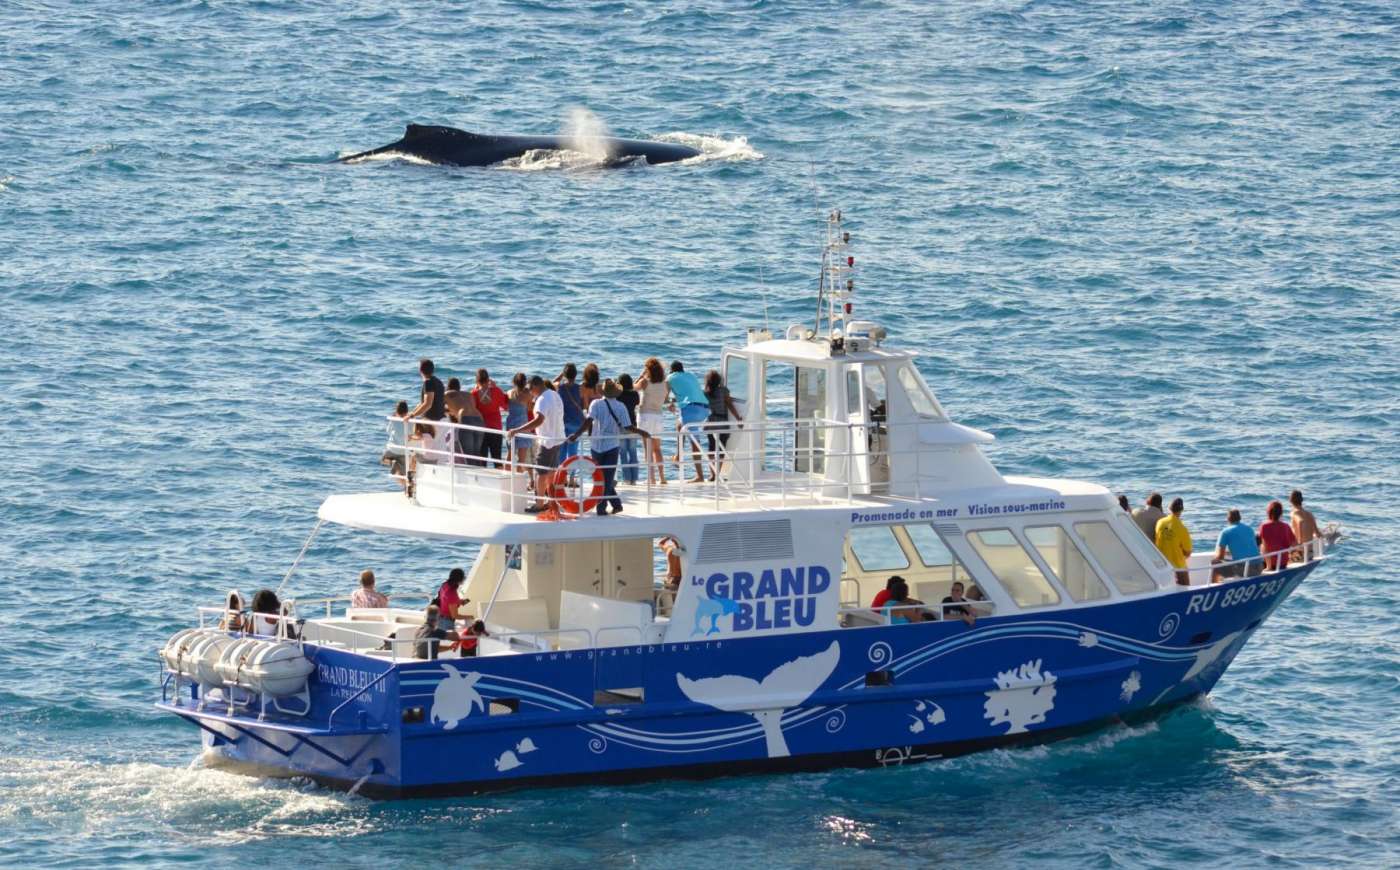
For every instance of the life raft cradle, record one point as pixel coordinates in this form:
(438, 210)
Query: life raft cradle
(302, 734)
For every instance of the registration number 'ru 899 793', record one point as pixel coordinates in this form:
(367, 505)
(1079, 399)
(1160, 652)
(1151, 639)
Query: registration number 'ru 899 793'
(1204, 602)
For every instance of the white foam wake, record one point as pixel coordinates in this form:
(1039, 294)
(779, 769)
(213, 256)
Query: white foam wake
(714, 148)
(205, 805)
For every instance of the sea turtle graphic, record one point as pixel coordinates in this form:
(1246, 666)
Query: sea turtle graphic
(454, 697)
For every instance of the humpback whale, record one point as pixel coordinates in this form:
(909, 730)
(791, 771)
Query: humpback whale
(454, 147)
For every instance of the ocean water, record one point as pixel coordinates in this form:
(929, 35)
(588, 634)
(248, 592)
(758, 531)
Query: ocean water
(1150, 244)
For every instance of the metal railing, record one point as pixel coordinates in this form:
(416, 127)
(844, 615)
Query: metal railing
(792, 458)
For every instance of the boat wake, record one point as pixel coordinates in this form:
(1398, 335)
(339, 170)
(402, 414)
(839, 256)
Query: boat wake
(209, 806)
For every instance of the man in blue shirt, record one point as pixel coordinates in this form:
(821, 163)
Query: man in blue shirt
(1236, 539)
(693, 406)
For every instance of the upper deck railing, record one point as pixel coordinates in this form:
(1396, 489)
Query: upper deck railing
(802, 460)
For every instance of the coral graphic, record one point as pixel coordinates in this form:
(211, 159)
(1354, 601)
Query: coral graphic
(1023, 696)
(1088, 639)
(788, 685)
(455, 697)
(1131, 686)
(525, 745)
(712, 609)
(508, 761)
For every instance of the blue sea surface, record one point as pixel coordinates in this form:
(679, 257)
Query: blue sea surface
(1151, 244)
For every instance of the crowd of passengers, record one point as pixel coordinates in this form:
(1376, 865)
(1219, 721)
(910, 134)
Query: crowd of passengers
(537, 424)
(1240, 550)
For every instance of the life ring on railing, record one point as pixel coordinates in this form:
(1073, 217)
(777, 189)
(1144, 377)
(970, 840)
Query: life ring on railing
(559, 486)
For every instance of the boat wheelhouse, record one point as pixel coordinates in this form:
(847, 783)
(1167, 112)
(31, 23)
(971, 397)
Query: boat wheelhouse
(767, 654)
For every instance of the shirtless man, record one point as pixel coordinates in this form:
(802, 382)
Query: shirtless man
(1304, 525)
(461, 408)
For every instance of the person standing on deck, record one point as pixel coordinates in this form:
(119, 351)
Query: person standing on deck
(490, 403)
(606, 420)
(651, 386)
(450, 601)
(461, 408)
(1304, 525)
(693, 407)
(548, 419)
(1147, 516)
(1174, 540)
(572, 398)
(520, 409)
(431, 406)
(1277, 538)
(630, 398)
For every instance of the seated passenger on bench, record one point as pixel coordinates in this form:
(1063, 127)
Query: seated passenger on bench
(955, 605)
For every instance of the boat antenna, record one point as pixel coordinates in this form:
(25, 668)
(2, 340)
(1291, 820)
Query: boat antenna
(836, 286)
(763, 291)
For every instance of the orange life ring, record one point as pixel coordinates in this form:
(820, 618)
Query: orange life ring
(559, 486)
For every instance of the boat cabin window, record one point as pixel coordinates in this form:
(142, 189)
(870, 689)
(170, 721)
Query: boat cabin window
(1123, 570)
(1058, 551)
(934, 553)
(875, 394)
(876, 549)
(736, 378)
(810, 454)
(853, 404)
(919, 396)
(1014, 567)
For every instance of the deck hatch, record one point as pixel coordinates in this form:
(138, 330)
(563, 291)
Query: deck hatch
(747, 541)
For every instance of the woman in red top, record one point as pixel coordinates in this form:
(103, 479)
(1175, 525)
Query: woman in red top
(491, 403)
(1276, 535)
(883, 596)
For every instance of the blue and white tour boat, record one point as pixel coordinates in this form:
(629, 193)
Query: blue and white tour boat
(768, 654)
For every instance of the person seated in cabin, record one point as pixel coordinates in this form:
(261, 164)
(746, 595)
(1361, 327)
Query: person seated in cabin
(672, 548)
(366, 597)
(900, 609)
(955, 605)
(1174, 541)
(395, 453)
(979, 604)
(431, 634)
(1304, 528)
(548, 420)
(1277, 538)
(233, 618)
(1235, 542)
(883, 595)
(1148, 515)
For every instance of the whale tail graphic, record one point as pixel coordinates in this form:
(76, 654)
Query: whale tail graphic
(787, 685)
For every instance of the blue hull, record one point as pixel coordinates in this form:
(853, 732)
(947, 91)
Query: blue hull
(848, 697)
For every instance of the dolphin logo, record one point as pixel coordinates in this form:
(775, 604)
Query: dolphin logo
(455, 697)
(787, 685)
(712, 609)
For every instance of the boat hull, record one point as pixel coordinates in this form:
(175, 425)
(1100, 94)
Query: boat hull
(718, 705)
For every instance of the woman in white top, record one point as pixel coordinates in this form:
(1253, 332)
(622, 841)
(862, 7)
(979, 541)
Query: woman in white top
(651, 384)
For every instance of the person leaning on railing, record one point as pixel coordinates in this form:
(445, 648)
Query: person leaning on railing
(1276, 537)
(1304, 526)
(607, 419)
(548, 421)
(1234, 544)
(722, 408)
